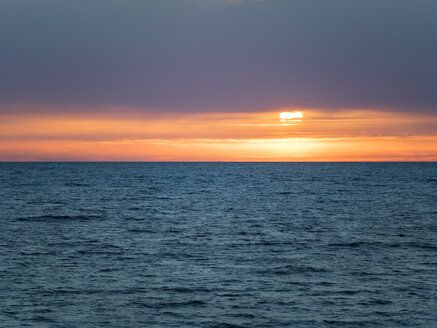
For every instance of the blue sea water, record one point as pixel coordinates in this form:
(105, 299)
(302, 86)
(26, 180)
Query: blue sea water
(218, 245)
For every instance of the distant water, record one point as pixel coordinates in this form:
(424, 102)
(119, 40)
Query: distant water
(218, 245)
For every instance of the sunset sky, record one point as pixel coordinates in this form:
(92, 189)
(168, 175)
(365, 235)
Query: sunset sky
(207, 80)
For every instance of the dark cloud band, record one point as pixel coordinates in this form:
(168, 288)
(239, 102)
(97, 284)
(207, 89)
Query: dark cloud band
(199, 55)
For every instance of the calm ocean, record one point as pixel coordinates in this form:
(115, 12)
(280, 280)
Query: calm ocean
(119, 245)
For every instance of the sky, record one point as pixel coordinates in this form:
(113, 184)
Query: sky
(206, 80)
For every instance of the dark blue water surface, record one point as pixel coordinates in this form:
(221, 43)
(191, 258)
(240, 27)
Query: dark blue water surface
(218, 245)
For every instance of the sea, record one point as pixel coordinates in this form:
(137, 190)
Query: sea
(218, 245)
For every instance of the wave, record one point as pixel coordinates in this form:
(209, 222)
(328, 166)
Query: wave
(291, 269)
(159, 305)
(357, 244)
(59, 218)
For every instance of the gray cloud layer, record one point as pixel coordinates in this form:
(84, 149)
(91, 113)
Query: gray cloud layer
(206, 55)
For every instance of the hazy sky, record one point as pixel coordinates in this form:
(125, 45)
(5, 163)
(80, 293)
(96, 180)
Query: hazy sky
(217, 55)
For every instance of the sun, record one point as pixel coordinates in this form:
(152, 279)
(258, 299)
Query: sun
(290, 116)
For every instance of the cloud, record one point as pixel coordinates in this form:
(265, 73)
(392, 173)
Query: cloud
(165, 55)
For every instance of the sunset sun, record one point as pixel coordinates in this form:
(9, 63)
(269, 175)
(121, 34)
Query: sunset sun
(291, 116)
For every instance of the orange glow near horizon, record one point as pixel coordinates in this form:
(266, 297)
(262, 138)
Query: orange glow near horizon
(133, 136)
